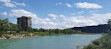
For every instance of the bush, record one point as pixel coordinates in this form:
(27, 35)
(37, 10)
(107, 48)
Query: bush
(96, 42)
(102, 43)
(90, 46)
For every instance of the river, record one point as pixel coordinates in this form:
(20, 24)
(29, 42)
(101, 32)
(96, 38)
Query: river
(49, 42)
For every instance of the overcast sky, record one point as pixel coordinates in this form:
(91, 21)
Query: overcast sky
(58, 13)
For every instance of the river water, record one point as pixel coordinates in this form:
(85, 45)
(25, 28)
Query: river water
(49, 42)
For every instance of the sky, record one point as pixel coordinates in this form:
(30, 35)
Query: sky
(53, 14)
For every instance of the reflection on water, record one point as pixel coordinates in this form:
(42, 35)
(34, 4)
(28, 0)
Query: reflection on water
(49, 42)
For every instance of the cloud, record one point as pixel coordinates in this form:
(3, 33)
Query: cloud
(94, 19)
(5, 1)
(21, 12)
(9, 5)
(53, 16)
(88, 5)
(4, 13)
(73, 14)
(62, 21)
(101, 18)
(77, 21)
(58, 3)
(69, 5)
(62, 16)
(81, 12)
(41, 23)
(20, 4)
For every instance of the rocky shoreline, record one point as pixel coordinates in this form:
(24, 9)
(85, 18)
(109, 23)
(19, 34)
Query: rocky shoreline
(12, 36)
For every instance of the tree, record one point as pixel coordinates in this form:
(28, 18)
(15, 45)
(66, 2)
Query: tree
(57, 31)
(109, 23)
(4, 26)
(30, 30)
(41, 30)
(69, 31)
(13, 27)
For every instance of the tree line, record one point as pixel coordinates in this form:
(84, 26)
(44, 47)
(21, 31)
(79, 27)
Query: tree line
(66, 31)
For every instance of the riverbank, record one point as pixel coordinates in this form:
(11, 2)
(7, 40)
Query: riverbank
(36, 34)
(11, 36)
(101, 43)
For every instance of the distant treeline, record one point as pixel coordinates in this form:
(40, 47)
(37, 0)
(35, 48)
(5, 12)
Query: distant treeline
(67, 31)
(103, 28)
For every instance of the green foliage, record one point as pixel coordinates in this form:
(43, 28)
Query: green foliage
(4, 25)
(58, 31)
(90, 46)
(30, 30)
(7, 27)
(102, 43)
(69, 31)
(42, 33)
(109, 23)
(96, 42)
